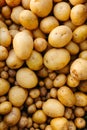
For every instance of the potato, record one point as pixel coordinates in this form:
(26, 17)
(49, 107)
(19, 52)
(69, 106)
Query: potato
(34, 93)
(53, 108)
(28, 19)
(56, 59)
(3, 53)
(6, 11)
(26, 78)
(13, 61)
(3, 125)
(26, 4)
(39, 117)
(24, 50)
(71, 125)
(13, 3)
(5, 38)
(17, 96)
(66, 96)
(2, 3)
(81, 99)
(57, 0)
(41, 8)
(83, 86)
(15, 14)
(4, 86)
(76, 2)
(60, 36)
(80, 122)
(35, 61)
(83, 55)
(13, 32)
(70, 25)
(65, 70)
(13, 117)
(68, 113)
(79, 112)
(78, 14)
(2, 24)
(78, 69)
(59, 123)
(48, 24)
(62, 11)
(37, 33)
(83, 45)
(5, 107)
(48, 127)
(2, 64)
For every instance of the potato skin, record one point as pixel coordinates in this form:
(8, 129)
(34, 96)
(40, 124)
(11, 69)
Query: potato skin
(56, 59)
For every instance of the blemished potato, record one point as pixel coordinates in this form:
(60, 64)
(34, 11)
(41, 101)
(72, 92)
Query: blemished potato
(78, 14)
(48, 24)
(35, 61)
(4, 86)
(5, 107)
(5, 38)
(15, 14)
(56, 59)
(3, 126)
(28, 19)
(26, 78)
(83, 45)
(6, 11)
(24, 50)
(81, 99)
(70, 24)
(78, 69)
(72, 47)
(62, 11)
(80, 122)
(38, 6)
(26, 4)
(60, 36)
(66, 96)
(83, 86)
(76, 2)
(37, 33)
(13, 117)
(39, 117)
(71, 125)
(59, 123)
(3, 53)
(13, 3)
(17, 96)
(53, 108)
(13, 61)
(83, 55)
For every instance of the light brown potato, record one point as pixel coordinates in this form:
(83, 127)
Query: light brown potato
(35, 61)
(25, 50)
(56, 59)
(41, 8)
(83, 55)
(78, 69)
(13, 61)
(71, 125)
(2, 64)
(5, 38)
(13, 3)
(68, 113)
(53, 108)
(78, 14)
(83, 45)
(15, 14)
(5, 107)
(17, 96)
(59, 123)
(2, 24)
(70, 25)
(26, 78)
(76, 2)
(48, 127)
(3, 126)
(34, 93)
(37, 33)
(39, 117)
(4, 86)
(72, 47)
(48, 24)
(80, 122)
(59, 81)
(66, 96)
(81, 99)
(13, 27)
(26, 4)
(28, 19)
(13, 32)
(79, 112)
(62, 11)
(3, 53)
(6, 11)
(61, 34)
(83, 86)
(13, 117)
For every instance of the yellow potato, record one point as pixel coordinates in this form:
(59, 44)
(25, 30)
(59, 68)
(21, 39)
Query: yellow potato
(3, 53)
(37, 33)
(60, 36)
(53, 108)
(83, 55)
(83, 86)
(83, 45)
(28, 19)
(56, 59)
(26, 78)
(71, 125)
(76, 2)
(80, 122)
(66, 96)
(41, 8)
(13, 32)
(13, 3)
(23, 45)
(6, 11)
(3, 126)
(2, 24)
(70, 24)
(26, 4)
(78, 14)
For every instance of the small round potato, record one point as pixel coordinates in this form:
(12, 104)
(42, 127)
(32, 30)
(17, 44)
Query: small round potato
(13, 3)
(62, 11)
(78, 14)
(26, 78)
(3, 53)
(17, 96)
(24, 50)
(83, 55)
(56, 59)
(70, 25)
(79, 112)
(71, 125)
(41, 8)
(83, 45)
(66, 96)
(60, 36)
(80, 122)
(26, 4)
(4, 86)
(6, 11)
(59, 123)
(28, 19)
(37, 33)
(53, 108)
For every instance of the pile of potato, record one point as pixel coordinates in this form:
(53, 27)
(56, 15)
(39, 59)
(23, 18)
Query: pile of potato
(43, 64)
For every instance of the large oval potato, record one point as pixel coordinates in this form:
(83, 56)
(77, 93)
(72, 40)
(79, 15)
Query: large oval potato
(56, 59)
